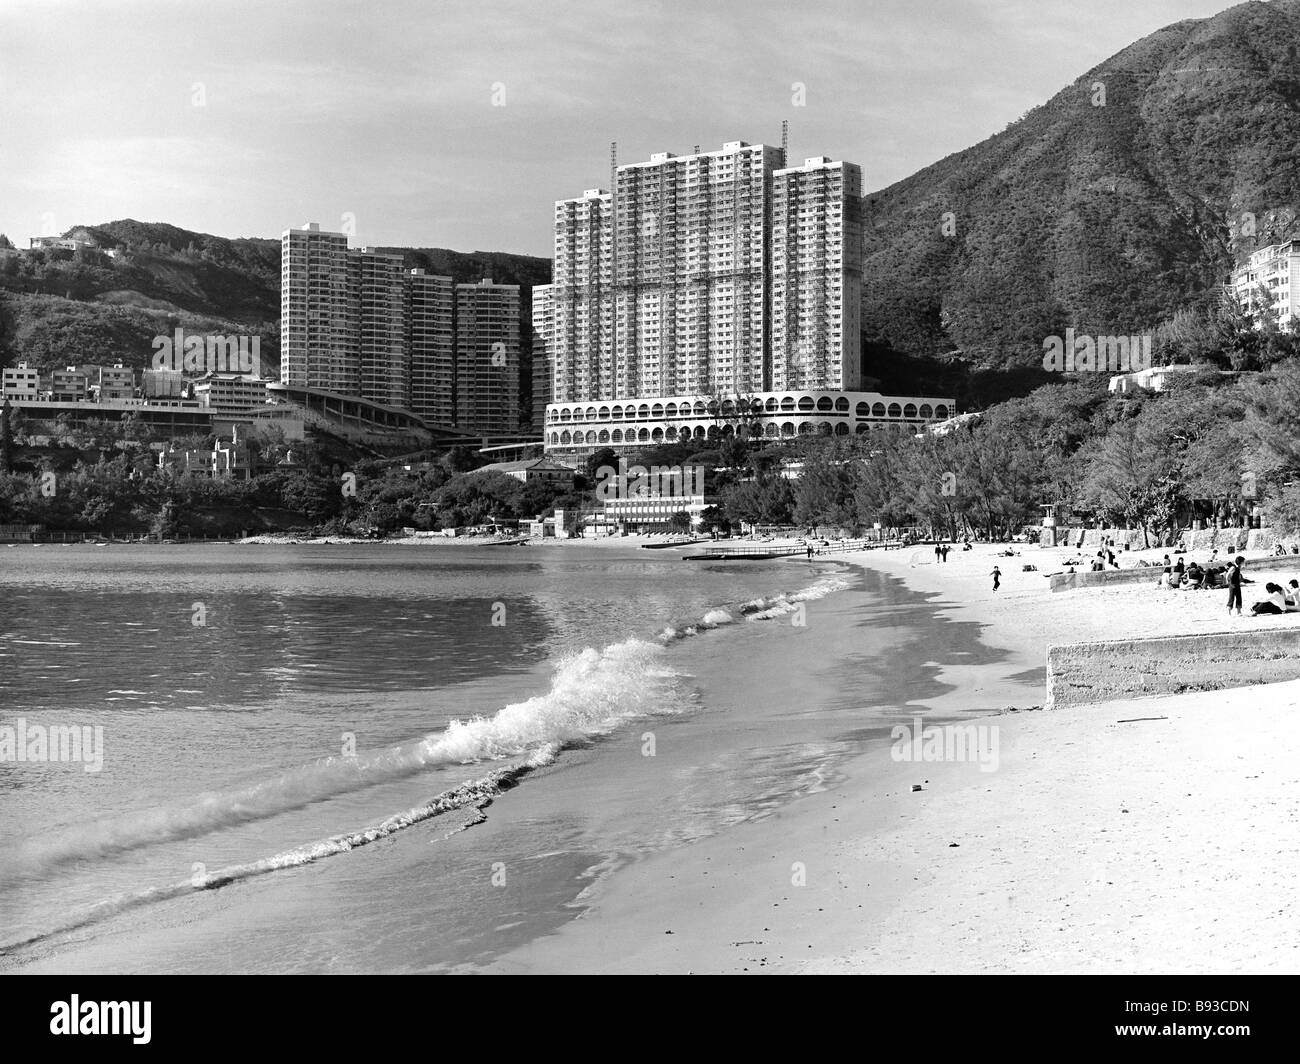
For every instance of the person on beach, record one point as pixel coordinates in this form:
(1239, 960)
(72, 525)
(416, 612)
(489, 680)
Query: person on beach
(997, 577)
(938, 553)
(946, 548)
(1275, 603)
(1195, 577)
(1234, 581)
(1293, 596)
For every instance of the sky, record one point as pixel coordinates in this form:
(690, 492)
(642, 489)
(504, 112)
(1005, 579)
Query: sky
(458, 123)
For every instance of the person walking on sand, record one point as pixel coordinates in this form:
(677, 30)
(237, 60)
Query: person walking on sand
(1235, 580)
(938, 552)
(945, 552)
(997, 577)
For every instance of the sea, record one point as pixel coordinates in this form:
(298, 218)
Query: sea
(392, 758)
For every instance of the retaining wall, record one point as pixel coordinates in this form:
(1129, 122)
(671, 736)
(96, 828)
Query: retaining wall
(1083, 673)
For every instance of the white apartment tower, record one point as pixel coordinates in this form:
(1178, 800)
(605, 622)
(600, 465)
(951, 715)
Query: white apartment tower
(582, 327)
(432, 346)
(816, 276)
(318, 311)
(691, 273)
(487, 357)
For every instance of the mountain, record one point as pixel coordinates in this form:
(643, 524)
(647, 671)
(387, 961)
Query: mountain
(59, 307)
(1127, 195)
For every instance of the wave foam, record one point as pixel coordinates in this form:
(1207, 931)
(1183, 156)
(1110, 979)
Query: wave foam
(591, 693)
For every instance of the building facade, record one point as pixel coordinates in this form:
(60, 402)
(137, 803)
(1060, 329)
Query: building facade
(20, 382)
(580, 349)
(318, 312)
(357, 323)
(817, 276)
(1274, 270)
(487, 357)
(383, 343)
(691, 273)
(543, 322)
(432, 338)
(575, 430)
(712, 294)
(231, 393)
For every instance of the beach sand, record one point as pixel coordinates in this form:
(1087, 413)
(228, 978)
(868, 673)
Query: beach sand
(1100, 843)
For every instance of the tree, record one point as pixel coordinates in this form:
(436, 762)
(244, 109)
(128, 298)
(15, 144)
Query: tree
(6, 437)
(603, 456)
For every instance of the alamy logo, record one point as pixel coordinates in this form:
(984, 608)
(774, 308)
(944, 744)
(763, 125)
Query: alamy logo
(57, 742)
(102, 1017)
(1090, 354)
(657, 482)
(946, 742)
(235, 353)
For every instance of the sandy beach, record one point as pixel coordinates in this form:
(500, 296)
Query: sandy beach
(1073, 855)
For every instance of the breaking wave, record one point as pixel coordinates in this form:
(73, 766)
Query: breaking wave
(592, 692)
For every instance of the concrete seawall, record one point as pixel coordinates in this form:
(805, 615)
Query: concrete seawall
(1082, 673)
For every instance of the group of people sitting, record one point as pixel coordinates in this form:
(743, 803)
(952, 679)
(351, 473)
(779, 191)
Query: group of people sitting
(1182, 576)
(1228, 574)
(1280, 599)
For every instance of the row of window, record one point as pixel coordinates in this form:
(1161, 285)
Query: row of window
(729, 408)
(771, 430)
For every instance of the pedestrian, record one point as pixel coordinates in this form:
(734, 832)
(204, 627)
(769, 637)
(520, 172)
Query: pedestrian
(997, 578)
(1235, 580)
(946, 548)
(938, 552)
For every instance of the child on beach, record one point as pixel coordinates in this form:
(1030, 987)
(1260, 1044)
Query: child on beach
(997, 577)
(1235, 580)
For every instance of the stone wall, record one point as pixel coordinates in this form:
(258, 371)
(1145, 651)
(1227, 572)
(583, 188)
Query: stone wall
(1083, 673)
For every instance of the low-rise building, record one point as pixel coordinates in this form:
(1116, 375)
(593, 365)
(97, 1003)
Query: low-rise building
(69, 385)
(530, 470)
(231, 393)
(228, 459)
(22, 381)
(116, 382)
(576, 430)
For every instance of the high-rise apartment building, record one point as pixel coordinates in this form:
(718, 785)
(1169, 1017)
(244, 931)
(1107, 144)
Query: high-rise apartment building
(582, 307)
(487, 357)
(382, 327)
(734, 283)
(360, 323)
(318, 312)
(816, 276)
(432, 339)
(543, 322)
(691, 273)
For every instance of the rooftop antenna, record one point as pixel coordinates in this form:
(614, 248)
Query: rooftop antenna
(785, 143)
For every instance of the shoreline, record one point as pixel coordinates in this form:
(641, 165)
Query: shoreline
(1068, 857)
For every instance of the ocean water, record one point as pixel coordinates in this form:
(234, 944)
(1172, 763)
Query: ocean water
(377, 758)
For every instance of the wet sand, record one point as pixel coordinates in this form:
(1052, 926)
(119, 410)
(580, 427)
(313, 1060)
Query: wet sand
(1101, 842)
